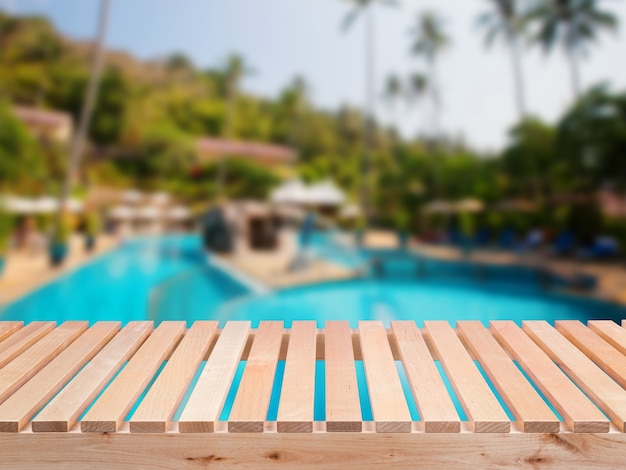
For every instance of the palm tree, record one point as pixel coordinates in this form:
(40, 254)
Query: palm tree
(505, 21)
(295, 100)
(571, 24)
(429, 41)
(364, 7)
(78, 143)
(232, 74)
(394, 89)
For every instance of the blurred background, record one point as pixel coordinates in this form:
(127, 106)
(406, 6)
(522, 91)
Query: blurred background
(485, 131)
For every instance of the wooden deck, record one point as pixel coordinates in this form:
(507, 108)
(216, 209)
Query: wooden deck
(68, 395)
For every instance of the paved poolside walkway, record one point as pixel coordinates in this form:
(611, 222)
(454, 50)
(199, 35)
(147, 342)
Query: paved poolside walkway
(25, 271)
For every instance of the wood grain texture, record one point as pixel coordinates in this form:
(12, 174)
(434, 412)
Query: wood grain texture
(435, 406)
(297, 397)
(25, 451)
(20, 407)
(609, 359)
(65, 408)
(7, 328)
(252, 400)
(27, 364)
(389, 407)
(611, 332)
(479, 402)
(604, 391)
(161, 402)
(207, 399)
(16, 344)
(578, 412)
(343, 409)
(108, 412)
(529, 409)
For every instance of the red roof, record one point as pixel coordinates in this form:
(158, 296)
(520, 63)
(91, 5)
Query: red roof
(263, 151)
(41, 117)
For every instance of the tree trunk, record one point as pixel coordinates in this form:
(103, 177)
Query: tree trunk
(368, 118)
(91, 95)
(572, 60)
(518, 75)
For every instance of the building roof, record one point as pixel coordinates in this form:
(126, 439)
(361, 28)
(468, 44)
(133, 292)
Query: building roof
(257, 150)
(42, 117)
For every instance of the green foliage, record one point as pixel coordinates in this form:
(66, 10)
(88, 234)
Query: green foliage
(6, 228)
(20, 155)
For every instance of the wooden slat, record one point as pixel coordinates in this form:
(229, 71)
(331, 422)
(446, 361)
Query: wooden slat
(7, 328)
(605, 392)
(205, 403)
(297, 397)
(27, 364)
(343, 408)
(252, 401)
(609, 359)
(529, 409)
(109, 411)
(389, 407)
(480, 404)
(65, 408)
(611, 332)
(160, 403)
(436, 408)
(13, 346)
(575, 408)
(20, 407)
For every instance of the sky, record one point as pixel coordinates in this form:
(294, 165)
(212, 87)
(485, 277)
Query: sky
(283, 38)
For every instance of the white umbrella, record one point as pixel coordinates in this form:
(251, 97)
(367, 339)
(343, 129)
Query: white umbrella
(45, 205)
(470, 205)
(122, 213)
(148, 213)
(291, 192)
(178, 213)
(160, 198)
(325, 193)
(18, 205)
(132, 196)
(439, 207)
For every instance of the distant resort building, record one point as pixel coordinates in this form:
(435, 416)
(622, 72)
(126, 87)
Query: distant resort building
(265, 154)
(46, 124)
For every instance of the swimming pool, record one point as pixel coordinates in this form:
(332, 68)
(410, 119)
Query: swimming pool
(169, 279)
(121, 285)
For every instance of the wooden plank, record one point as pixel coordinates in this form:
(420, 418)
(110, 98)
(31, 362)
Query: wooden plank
(20, 407)
(566, 451)
(389, 408)
(65, 408)
(435, 406)
(27, 364)
(7, 328)
(531, 412)
(577, 411)
(480, 404)
(16, 344)
(343, 408)
(252, 401)
(205, 403)
(297, 397)
(609, 359)
(606, 393)
(161, 402)
(610, 332)
(110, 410)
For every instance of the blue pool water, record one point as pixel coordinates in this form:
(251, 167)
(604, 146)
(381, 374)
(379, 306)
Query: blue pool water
(121, 285)
(170, 279)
